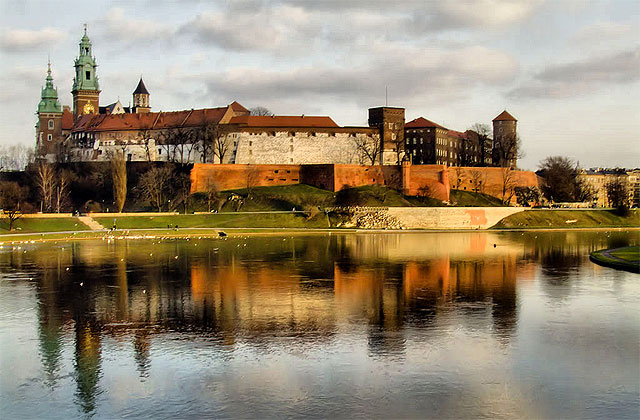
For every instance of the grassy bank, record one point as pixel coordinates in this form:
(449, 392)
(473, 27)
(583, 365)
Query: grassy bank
(221, 220)
(43, 224)
(627, 258)
(544, 219)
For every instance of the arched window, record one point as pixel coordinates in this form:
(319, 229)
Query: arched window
(51, 124)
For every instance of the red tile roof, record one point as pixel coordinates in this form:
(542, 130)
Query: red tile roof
(67, 119)
(151, 120)
(422, 123)
(283, 121)
(504, 116)
(237, 107)
(458, 134)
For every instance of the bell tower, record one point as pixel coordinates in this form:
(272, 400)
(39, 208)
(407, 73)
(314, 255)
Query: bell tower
(86, 91)
(141, 98)
(49, 125)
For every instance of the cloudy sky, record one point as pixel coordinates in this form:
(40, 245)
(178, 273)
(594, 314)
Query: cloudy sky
(569, 71)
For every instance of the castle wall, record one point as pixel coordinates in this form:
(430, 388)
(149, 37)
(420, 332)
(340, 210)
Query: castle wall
(231, 176)
(432, 180)
(302, 146)
(491, 180)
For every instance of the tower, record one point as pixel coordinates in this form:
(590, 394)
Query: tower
(390, 122)
(505, 140)
(49, 125)
(86, 91)
(141, 98)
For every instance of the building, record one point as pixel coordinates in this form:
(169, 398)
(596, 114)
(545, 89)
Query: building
(390, 123)
(223, 135)
(598, 178)
(505, 140)
(54, 121)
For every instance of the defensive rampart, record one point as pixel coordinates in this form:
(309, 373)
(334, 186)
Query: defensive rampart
(431, 180)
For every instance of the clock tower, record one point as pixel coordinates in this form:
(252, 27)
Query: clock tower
(86, 91)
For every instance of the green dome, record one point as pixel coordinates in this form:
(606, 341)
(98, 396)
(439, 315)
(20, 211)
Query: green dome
(49, 96)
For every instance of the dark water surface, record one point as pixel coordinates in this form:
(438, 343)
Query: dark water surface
(348, 325)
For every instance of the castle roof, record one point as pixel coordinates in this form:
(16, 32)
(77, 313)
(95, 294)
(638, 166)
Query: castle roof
(283, 121)
(141, 89)
(67, 119)
(504, 116)
(237, 107)
(150, 120)
(422, 123)
(458, 134)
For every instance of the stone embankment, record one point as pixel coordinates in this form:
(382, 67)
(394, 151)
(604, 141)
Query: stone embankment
(425, 217)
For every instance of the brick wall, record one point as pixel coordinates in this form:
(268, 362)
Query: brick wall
(227, 177)
(490, 180)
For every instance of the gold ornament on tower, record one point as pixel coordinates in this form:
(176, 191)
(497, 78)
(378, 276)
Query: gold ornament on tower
(88, 108)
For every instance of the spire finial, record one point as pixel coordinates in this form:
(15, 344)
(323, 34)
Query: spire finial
(85, 28)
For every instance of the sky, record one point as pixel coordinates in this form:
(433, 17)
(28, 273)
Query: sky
(569, 71)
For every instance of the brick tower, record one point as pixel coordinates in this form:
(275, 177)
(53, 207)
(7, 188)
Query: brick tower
(86, 91)
(390, 122)
(49, 125)
(505, 140)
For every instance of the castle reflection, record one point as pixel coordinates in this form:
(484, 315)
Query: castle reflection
(266, 291)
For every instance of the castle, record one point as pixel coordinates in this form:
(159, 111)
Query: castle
(231, 135)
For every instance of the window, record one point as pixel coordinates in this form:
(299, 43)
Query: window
(49, 137)
(291, 147)
(250, 143)
(51, 124)
(129, 156)
(159, 151)
(87, 75)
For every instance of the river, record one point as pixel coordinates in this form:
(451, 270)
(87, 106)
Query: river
(469, 324)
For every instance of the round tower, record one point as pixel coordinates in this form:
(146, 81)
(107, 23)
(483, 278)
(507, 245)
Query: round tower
(505, 140)
(49, 125)
(85, 90)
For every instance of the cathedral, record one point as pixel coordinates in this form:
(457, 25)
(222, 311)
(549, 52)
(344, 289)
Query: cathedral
(231, 135)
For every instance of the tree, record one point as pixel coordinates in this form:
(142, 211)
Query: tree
(459, 174)
(618, 193)
(62, 191)
(477, 179)
(507, 151)
(205, 136)
(508, 185)
(118, 166)
(154, 186)
(397, 141)
(45, 183)
(260, 111)
(212, 194)
(15, 157)
(12, 200)
(485, 143)
(181, 190)
(146, 136)
(526, 196)
(369, 149)
(561, 180)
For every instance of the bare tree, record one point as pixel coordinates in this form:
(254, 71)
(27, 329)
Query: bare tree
(212, 194)
(62, 190)
(369, 149)
(12, 200)
(154, 186)
(179, 142)
(397, 142)
(507, 151)
(459, 173)
(45, 182)
(477, 179)
(484, 143)
(204, 138)
(508, 185)
(146, 137)
(15, 157)
(119, 175)
(617, 191)
(260, 111)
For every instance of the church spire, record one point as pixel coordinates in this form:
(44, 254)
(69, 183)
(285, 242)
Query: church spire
(49, 95)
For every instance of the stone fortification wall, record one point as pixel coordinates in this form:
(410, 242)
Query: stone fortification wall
(275, 146)
(429, 217)
(491, 180)
(227, 177)
(432, 180)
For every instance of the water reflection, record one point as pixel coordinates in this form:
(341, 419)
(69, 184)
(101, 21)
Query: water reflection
(294, 292)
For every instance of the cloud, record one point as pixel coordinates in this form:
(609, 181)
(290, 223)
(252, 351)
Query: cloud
(122, 28)
(22, 40)
(603, 34)
(583, 76)
(424, 75)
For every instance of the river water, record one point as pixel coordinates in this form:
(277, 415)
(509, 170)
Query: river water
(476, 324)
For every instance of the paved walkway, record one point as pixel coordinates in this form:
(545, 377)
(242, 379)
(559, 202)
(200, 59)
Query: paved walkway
(93, 225)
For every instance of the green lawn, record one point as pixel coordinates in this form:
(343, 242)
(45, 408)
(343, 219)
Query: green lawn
(568, 219)
(43, 224)
(219, 220)
(630, 257)
(462, 198)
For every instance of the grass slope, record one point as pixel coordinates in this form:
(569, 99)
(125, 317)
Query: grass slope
(462, 198)
(218, 220)
(627, 258)
(44, 224)
(540, 219)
